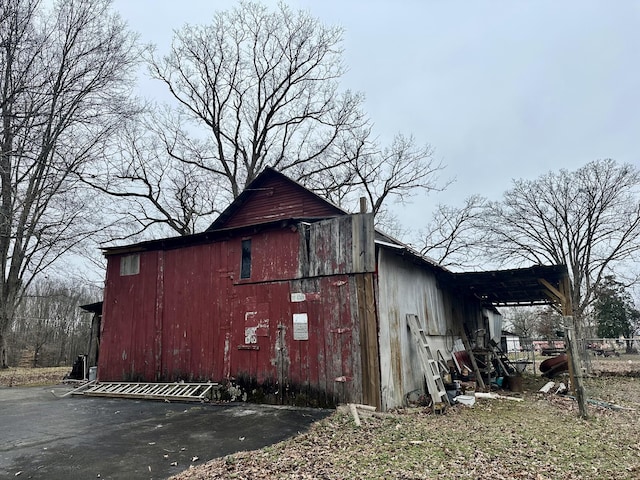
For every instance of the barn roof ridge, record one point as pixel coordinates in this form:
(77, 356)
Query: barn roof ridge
(254, 185)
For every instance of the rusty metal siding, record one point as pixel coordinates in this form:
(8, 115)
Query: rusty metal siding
(277, 199)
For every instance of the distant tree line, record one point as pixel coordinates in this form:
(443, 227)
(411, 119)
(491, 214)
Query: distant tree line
(49, 328)
(613, 316)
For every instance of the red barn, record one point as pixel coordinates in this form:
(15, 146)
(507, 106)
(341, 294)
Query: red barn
(289, 299)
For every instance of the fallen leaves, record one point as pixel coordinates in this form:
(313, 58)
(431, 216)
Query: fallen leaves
(540, 438)
(20, 377)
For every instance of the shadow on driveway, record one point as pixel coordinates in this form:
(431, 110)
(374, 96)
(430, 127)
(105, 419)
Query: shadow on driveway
(86, 437)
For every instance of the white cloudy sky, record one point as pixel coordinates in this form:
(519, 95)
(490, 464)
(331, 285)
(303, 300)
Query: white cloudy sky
(501, 89)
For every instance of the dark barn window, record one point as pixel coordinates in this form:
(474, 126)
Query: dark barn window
(245, 269)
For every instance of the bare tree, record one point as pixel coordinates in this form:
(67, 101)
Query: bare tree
(454, 235)
(154, 186)
(397, 171)
(49, 328)
(381, 175)
(525, 321)
(549, 325)
(64, 83)
(588, 219)
(257, 88)
(263, 88)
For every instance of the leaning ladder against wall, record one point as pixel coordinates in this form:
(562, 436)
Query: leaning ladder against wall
(429, 364)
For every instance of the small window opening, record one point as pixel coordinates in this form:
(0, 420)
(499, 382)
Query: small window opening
(245, 269)
(130, 265)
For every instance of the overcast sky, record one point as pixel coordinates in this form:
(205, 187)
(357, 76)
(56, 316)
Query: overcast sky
(500, 89)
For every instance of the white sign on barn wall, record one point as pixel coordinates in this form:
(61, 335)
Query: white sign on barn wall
(298, 297)
(300, 326)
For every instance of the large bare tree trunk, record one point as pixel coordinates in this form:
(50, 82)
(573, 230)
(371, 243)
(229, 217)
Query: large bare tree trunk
(3, 351)
(256, 88)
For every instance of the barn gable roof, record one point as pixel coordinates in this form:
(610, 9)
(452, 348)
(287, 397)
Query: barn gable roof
(273, 196)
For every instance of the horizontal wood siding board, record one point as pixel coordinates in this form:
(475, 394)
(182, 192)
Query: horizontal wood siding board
(275, 199)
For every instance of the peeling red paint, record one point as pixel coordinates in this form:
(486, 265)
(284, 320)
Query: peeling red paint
(188, 315)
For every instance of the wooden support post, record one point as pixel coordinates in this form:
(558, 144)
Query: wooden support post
(575, 368)
(474, 364)
(574, 360)
(369, 351)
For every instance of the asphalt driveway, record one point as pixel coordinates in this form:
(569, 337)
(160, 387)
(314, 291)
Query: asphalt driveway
(43, 436)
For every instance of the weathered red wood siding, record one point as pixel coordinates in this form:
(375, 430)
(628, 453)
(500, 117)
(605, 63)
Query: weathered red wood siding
(188, 315)
(277, 200)
(128, 338)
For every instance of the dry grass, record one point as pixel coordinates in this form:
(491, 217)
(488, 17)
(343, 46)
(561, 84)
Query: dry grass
(21, 377)
(539, 438)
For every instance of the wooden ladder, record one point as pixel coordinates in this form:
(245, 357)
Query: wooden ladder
(185, 392)
(429, 364)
